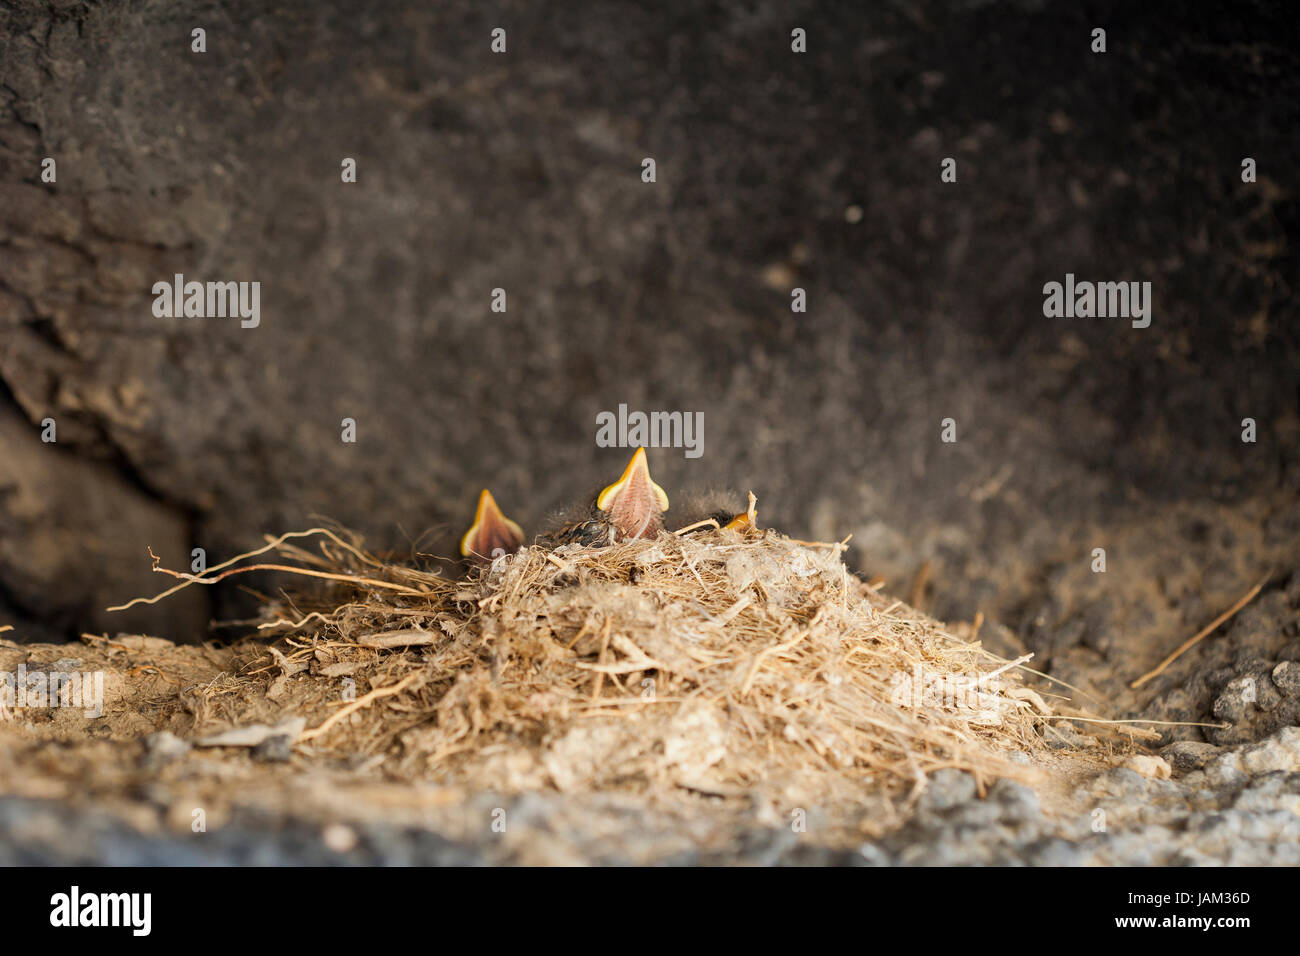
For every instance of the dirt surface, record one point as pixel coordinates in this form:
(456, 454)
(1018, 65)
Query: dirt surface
(149, 783)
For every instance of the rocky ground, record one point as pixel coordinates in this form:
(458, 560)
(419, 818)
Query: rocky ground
(1240, 807)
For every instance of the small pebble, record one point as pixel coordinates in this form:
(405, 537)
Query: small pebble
(340, 837)
(162, 748)
(277, 749)
(1148, 766)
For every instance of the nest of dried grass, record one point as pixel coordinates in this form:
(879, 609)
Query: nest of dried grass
(720, 662)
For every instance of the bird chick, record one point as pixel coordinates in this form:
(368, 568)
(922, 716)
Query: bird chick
(709, 511)
(492, 534)
(629, 509)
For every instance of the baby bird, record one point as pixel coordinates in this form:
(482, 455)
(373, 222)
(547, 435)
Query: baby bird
(492, 534)
(630, 508)
(710, 510)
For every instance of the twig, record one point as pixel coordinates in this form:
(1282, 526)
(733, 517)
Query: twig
(1005, 667)
(105, 641)
(189, 579)
(1202, 634)
(730, 613)
(270, 546)
(917, 594)
(403, 638)
(349, 578)
(776, 649)
(1157, 723)
(292, 625)
(699, 524)
(838, 545)
(582, 632)
(357, 704)
(598, 679)
(632, 702)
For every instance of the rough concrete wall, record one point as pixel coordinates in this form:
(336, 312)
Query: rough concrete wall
(522, 171)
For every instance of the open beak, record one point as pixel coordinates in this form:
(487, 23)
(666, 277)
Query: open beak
(747, 521)
(634, 503)
(492, 534)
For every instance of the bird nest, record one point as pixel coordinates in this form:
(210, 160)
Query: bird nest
(724, 663)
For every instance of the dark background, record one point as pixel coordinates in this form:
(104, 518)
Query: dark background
(522, 171)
